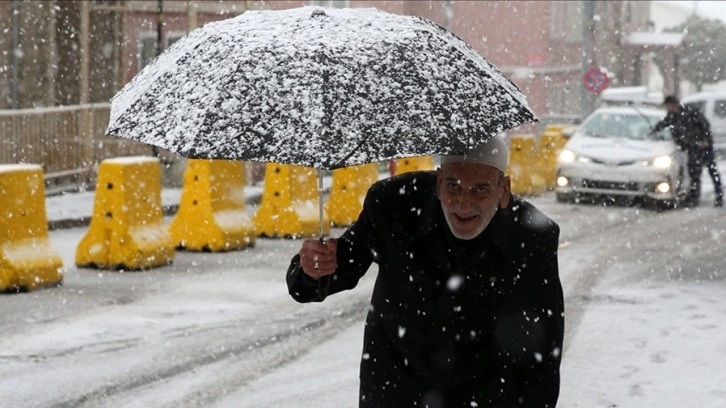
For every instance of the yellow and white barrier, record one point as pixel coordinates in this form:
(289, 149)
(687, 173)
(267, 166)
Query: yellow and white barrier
(523, 166)
(348, 191)
(27, 260)
(289, 206)
(212, 214)
(127, 227)
(414, 164)
(551, 143)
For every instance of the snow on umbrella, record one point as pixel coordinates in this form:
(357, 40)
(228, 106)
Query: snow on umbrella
(318, 87)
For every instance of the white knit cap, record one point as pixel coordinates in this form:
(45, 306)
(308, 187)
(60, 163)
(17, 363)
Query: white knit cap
(492, 153)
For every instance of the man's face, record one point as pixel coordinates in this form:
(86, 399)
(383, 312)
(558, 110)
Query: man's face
(672, 107)
(470, 195)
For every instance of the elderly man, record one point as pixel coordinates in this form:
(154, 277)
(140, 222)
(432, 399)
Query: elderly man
(467, 309)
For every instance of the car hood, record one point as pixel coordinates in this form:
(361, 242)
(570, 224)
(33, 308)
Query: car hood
(618, 150)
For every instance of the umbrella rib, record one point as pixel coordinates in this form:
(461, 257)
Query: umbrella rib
(341, 162)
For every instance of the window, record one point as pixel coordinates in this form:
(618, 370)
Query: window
(719, 108)
(618, 125)
(173, 37)
(145, 50)
(146, 46)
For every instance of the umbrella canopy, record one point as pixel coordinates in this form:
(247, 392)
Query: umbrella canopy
(318, 87)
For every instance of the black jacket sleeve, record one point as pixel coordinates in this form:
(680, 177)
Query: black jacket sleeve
(539, 373)
(668, 120)
(676, 121)
(301, 287)
(530, 328)
(354, 255)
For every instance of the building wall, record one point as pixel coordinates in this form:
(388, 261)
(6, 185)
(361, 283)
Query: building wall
(538, 44)
(6, 59)
(48, 54)
(179, 18)
(30, 60)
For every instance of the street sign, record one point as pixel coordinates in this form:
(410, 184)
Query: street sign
(595, 80)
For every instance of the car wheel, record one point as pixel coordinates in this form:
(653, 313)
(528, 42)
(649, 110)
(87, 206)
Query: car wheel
(663, 205)
(679, 195)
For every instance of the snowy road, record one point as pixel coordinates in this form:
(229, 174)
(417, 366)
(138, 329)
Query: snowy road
(646, 320)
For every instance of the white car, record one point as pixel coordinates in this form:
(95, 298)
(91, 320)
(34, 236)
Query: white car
(611, 155)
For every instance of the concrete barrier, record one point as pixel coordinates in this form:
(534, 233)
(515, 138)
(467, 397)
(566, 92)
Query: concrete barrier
(27, 260)
(348, 191)
(127, 227)
(289, 206)
(212, 215)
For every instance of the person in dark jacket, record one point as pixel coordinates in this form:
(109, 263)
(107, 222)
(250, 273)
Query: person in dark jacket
(692, 133)
(467, 309)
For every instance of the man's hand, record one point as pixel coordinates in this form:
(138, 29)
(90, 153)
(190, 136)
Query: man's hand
(318, 258)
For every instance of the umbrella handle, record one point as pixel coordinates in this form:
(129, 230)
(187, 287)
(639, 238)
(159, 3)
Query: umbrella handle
(320, 208)
(320, 203)
(324, 282)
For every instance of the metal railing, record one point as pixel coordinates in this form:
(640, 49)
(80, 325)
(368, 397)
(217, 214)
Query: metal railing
(67, 141)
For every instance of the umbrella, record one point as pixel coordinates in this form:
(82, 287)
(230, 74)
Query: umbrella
(318, 87)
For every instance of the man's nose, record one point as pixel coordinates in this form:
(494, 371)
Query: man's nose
(465, 201)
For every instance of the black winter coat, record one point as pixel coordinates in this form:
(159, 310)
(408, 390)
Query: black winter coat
(452, 323)
(691, 130)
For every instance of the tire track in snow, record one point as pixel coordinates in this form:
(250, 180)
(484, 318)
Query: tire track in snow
(303, 336)
(625, 243)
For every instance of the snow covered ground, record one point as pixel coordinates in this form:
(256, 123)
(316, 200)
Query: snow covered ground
(646, 322)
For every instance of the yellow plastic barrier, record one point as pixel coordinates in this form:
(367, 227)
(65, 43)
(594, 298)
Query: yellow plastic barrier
(348, 191)
(369, 172)
(212, 214)
(414, 164)
(27, 260)
(557, 127)
(290, 206)
(551, 143)
(127, 228)
(523, 166)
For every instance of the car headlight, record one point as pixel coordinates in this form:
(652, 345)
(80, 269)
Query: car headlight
(662, 162)
(567, 156)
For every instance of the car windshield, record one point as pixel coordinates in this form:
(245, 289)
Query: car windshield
(623, 125)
